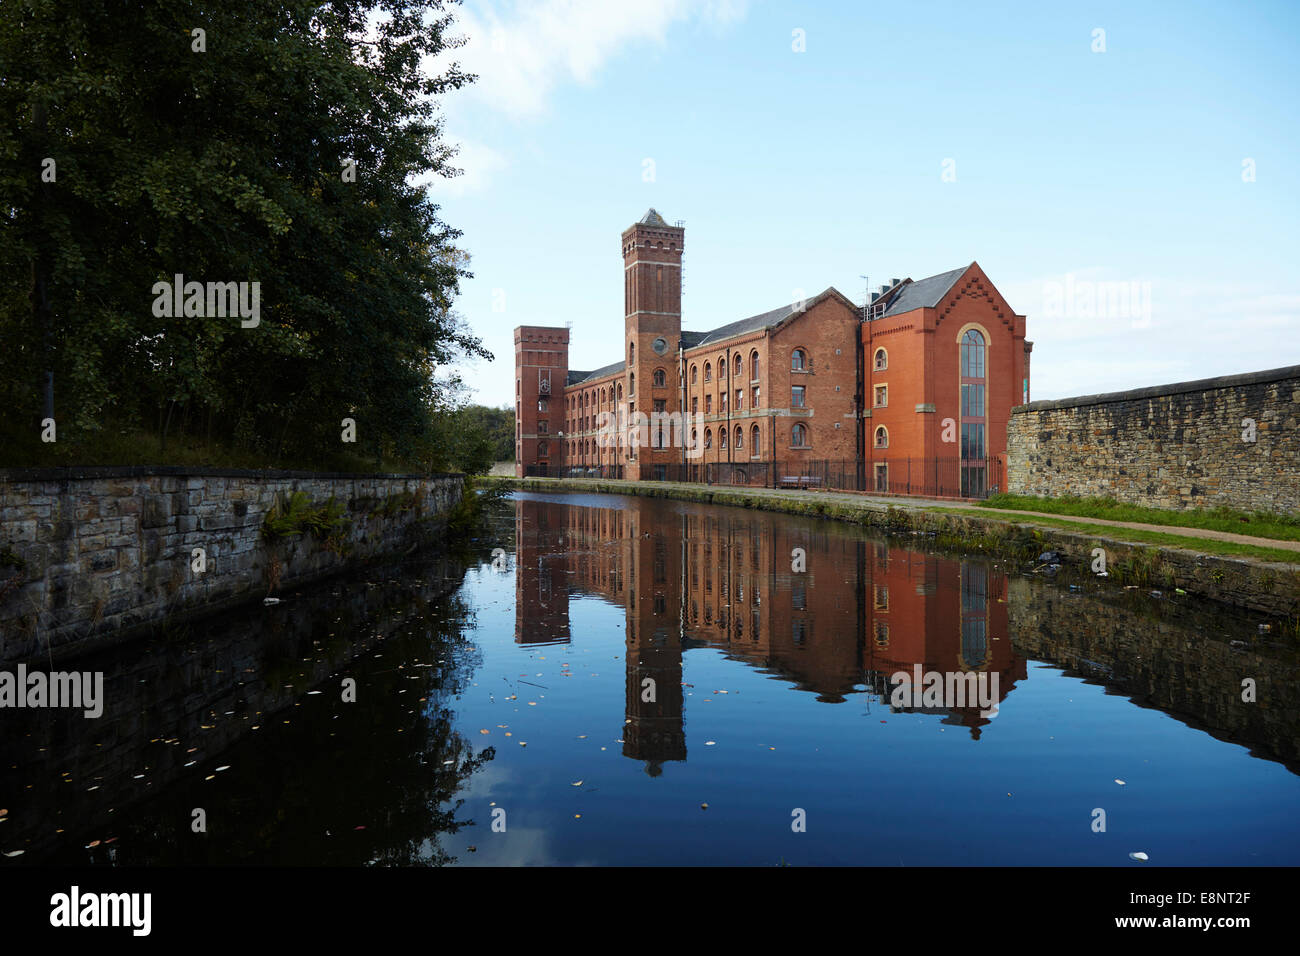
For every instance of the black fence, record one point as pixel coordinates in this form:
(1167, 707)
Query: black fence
(592, 471)
(932, 477)
(925, 477)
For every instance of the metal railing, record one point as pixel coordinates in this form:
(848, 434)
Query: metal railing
(923, 477)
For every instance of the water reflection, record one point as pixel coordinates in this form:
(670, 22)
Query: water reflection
(606, 665)
(836, 613)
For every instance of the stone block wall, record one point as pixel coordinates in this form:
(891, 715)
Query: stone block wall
(87, 553)
(1172, 446)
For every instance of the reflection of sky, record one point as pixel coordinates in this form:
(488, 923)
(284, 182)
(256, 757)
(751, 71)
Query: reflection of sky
(878, 787)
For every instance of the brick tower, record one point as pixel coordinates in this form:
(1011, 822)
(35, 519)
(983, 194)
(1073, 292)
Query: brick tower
(652, 284)
(541, 367)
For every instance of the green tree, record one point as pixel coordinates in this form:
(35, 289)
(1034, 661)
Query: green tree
(228, 163)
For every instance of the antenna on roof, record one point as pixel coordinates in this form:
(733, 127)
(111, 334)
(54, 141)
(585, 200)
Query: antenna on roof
(866, 299)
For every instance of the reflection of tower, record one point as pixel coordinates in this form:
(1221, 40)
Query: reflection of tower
(541, 581)
(653, 730)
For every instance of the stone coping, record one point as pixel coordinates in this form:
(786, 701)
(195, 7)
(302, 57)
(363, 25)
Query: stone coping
(91, 472)
(1157, 391)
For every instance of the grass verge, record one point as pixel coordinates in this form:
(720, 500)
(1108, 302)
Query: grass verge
(1258, 524)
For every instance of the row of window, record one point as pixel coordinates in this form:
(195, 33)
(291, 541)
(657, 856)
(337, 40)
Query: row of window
(798, 439)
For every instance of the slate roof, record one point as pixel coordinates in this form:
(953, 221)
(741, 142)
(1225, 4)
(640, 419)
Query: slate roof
(764, 320)
(925, 293)
(652, 218)
(575, 377)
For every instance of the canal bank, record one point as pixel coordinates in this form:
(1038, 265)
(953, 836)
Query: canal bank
(90, 556)
(1267, 582)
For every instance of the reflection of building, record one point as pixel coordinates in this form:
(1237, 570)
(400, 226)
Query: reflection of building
(541, 578)
(924, 371)
(858, 612)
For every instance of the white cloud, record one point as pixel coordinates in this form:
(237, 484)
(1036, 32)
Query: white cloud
(477, 162)
(521, 51)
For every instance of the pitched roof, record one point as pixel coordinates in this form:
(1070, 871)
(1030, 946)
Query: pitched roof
(652, 218)
(925, 293)
(575, 377)
(764, 320)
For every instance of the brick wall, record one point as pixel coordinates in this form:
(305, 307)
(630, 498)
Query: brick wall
(87, 553)
(1171, 446)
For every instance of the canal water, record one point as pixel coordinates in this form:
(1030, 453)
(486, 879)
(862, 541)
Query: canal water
(609, 680)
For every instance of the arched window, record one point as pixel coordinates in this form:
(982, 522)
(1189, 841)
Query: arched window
(740, 437)
(798, 360)
(631, 353)
(722, 366)
(972, 354)
(753, 365)
(660, 378)
(882, 437)
(695, 377)
(602, 396)
(708, 438)
(695, 438)
(799, 435)
(722, 438)
(631, 384)
(708, 372)
(620, 391)
(754, 443)
(882, 360)
(740, 366)
(542, 449)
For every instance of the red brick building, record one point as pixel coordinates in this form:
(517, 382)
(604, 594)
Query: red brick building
(921, 379)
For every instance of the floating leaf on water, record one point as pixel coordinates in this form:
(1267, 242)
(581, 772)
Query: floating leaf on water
(577, 783)
(1119, 781)
(710, 743)
(1139, 856)
(484, 730)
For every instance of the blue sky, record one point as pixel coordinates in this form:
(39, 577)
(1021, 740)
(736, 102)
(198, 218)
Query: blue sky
(906, 139)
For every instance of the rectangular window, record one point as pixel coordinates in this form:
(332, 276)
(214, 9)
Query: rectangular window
(796, 396)
(695, 405)
(972, 401)
(972, 440)
(882, 597)
(708, 404)
(882, 396)
(722, 402)
(660, 404)
(740, 399)
(543, 404)
(542, 428)
(753, 399)
(882, 478)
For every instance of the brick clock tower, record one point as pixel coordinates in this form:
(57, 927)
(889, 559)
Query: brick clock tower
(652, 296)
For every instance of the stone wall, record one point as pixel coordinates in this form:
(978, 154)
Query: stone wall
(1172, 446)
(87, 553)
